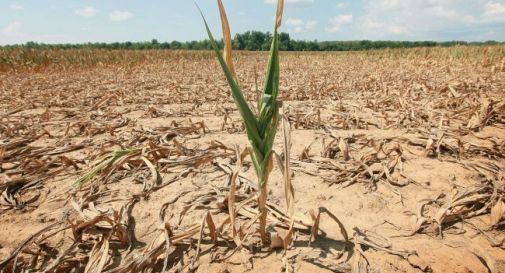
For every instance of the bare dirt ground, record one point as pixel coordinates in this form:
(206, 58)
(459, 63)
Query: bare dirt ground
(405, 147)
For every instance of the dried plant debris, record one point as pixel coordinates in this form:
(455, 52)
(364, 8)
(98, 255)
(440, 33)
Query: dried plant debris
(132, 165)
(433, 216)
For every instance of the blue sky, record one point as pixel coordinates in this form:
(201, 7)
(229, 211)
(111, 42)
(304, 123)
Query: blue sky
(62, 21)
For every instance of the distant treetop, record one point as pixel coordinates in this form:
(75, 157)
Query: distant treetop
(257, 41)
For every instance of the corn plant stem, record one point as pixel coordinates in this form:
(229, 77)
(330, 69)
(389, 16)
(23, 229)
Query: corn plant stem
(262, 207)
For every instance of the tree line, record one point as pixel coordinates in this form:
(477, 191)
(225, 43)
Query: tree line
(256, 41)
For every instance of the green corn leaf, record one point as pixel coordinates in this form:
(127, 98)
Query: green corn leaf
(272, 73)
(271, 130)
(271, 89)
(244, 110)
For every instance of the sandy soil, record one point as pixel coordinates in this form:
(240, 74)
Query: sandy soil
(406, 119)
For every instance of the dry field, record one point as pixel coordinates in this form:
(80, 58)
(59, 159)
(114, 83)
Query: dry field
(122, 161)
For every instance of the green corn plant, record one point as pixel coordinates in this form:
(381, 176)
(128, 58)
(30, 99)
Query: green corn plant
(260, 128)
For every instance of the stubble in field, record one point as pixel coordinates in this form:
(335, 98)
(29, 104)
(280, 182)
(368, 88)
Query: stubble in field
(404, 146)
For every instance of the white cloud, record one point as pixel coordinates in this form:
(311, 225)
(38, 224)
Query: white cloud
(119, 15)
(429, 19)
(12, 28)
(494, 12)
(16, 6)
(336, 22)
(86, 12)
(294, 22)
(444, 12)
(469, 19)
(341, 6)
(300, 26)
(297, 3)
(382, 28)
(395, 29)
(389, 4)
